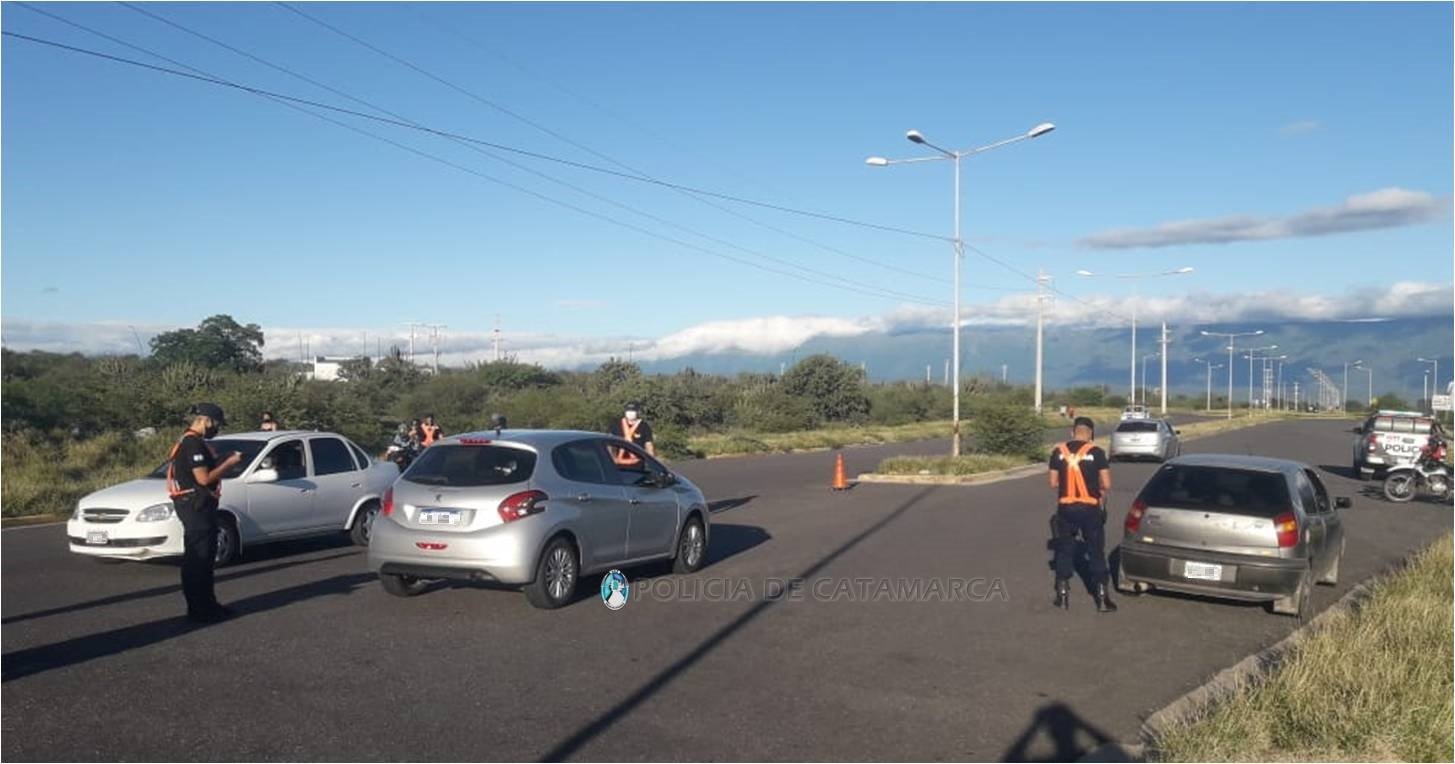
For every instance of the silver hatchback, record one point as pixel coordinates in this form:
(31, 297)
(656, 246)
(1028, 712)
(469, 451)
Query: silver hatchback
(1145, 439)
(1239, 527)
(537, 509)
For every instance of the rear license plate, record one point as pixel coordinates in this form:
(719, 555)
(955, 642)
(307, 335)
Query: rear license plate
(1203, 571)
(438, 517)
(96, 538)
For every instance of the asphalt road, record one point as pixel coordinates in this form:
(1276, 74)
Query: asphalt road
(322, 664)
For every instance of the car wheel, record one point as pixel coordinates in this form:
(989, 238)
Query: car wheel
(556, 575)
(691, 548)
(1332, 576)
(229, 546)
(363, 524)
(402, 586)
(1359, 472)
(1300, 603)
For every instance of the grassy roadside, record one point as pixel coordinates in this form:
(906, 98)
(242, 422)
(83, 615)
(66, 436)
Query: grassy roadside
(45, 477)
(742, 443)
(1373, 685)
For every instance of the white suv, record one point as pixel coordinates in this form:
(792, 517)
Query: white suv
(288, 485)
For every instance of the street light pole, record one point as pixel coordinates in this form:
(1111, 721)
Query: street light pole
(1344, 404)
(1231, 336)
(1135, 277)
(1369, 371)
(914, 136)
(1041, 279)
(1436, 375)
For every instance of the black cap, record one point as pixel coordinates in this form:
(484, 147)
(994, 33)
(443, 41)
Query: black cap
(633, 406)
(211, 411)
(1084, 421)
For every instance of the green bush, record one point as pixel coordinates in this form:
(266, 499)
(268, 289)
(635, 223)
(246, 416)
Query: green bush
(1006, 429)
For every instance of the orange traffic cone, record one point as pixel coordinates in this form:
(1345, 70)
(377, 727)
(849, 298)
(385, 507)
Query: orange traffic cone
(841, 483)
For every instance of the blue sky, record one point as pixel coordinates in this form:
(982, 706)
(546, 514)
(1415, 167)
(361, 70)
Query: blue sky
(133, 197)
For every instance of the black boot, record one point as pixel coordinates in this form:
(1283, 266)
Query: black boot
(1103, 600)
(1063, 594)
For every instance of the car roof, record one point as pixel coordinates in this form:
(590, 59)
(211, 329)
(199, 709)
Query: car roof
(534, 438)
(1240, 462)
(270, 435)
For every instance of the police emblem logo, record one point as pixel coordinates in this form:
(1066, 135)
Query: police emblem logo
(615, 590)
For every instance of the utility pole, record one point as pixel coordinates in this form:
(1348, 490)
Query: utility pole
(1164, 367)
(495, 337)
(927, 375)
(1003, 370)
(1295, 396)
(434, 340)
(412, 325)
(1041, 279)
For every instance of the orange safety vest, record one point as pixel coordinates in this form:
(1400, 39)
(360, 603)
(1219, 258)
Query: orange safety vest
(431, 433)
(622, 456)
(174, 490)
(1073, 488)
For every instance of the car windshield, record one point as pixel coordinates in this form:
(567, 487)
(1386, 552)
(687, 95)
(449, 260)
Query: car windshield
(1218, 489)
(471, 465)
(222, 447)
(1142, 426)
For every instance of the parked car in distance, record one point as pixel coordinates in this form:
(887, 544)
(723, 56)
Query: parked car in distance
(1390, 439)
(1237, 527)
(1134, 411)
(1145, 439)
(289, 484)
(536, 509)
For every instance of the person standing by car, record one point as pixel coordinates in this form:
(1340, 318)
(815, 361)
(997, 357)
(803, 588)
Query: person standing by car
(194, 482)
(631, 427)
(429, 432)
(1081, 476)
(269, 424)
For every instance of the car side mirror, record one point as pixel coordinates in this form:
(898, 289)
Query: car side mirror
(1176, 432)
(1343, 502)
(666, 480)
(264, 475)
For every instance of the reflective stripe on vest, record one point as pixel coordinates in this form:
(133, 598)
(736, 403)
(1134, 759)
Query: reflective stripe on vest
(1073, 488)
(431, 432)
(622, 456)
(173, 490)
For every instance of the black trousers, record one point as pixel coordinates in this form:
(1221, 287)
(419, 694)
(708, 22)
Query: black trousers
(198, 513)
(1087, 521)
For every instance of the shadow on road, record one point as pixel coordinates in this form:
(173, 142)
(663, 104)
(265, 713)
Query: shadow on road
(723, 505)
(35, 660)
(172, 589)
(603, 722)
(1056, 733)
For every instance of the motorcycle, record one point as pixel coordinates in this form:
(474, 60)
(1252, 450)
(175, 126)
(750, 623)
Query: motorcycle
(1428, 474)
(401, 456)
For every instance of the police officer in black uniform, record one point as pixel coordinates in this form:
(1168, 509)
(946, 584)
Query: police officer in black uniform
(194, 481)
(1081, 476)
(632, 427)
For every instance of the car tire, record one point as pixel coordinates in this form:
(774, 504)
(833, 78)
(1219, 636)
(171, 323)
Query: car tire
(1359, 472)
(363, 524)
(557, 573)
(1401, 487)
(402, 586)
(229, 543)
(691, 547)
(1331, 578)
(1300, 603)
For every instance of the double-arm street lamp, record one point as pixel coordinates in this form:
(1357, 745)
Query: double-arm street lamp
(1436, 376)
(1135, 277)
(916, 136)
(1371, 381)
(1231, 336)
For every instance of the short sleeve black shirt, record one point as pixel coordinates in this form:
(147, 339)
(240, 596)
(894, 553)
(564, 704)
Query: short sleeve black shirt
(642, 436)
(1090, 467)
(193, 452)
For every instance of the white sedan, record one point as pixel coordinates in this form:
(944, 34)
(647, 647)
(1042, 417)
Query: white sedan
(288, 485)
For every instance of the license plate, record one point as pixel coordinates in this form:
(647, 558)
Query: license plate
(97, 538)
(1203, 571)
(438, 517)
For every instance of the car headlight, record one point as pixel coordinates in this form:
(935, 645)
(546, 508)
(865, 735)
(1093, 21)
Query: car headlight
(76, 513)
(154, 513)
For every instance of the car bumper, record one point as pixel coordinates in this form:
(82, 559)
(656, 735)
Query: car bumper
(132, 541)
(499, 554)
(1135, 450)
(1243, 577)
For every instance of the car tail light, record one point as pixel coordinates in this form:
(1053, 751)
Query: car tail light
(523, 504)
(1372, 443)
(1134, 516)
(386, 507)
(1286, 526)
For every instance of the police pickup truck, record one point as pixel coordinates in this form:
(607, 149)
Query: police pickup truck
(1390, 438)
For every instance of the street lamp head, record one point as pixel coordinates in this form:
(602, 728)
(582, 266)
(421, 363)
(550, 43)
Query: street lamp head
(1040, 130)
(1255, 334)
(877, 162)
(914, 136)
(1424, 360)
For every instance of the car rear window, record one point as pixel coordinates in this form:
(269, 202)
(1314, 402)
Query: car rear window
(1142, 426)
(471, 465)
(1218, 489)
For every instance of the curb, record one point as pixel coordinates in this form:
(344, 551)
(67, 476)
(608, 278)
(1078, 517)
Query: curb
(979, 478)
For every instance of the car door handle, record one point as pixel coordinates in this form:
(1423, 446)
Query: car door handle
(355, 485)
(583, 497)
(634, 501)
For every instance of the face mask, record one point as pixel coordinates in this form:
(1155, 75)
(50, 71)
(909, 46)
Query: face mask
(210, 432)
(631, 416)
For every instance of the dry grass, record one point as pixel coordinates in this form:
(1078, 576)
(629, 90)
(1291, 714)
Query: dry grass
(966, 464)
(1374, 685)
(735, 443)
(47, 476)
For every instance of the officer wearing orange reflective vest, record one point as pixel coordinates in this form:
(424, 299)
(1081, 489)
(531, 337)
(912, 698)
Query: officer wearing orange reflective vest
(631, 427)
(429, 432)
(1081, 476)
(194, 482)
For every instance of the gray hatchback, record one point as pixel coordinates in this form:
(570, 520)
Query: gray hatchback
(1237, 527)
(537, 509)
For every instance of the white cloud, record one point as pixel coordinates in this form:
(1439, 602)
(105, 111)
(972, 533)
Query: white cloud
(1384, 208)
(1300, 127)
(770, 335)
